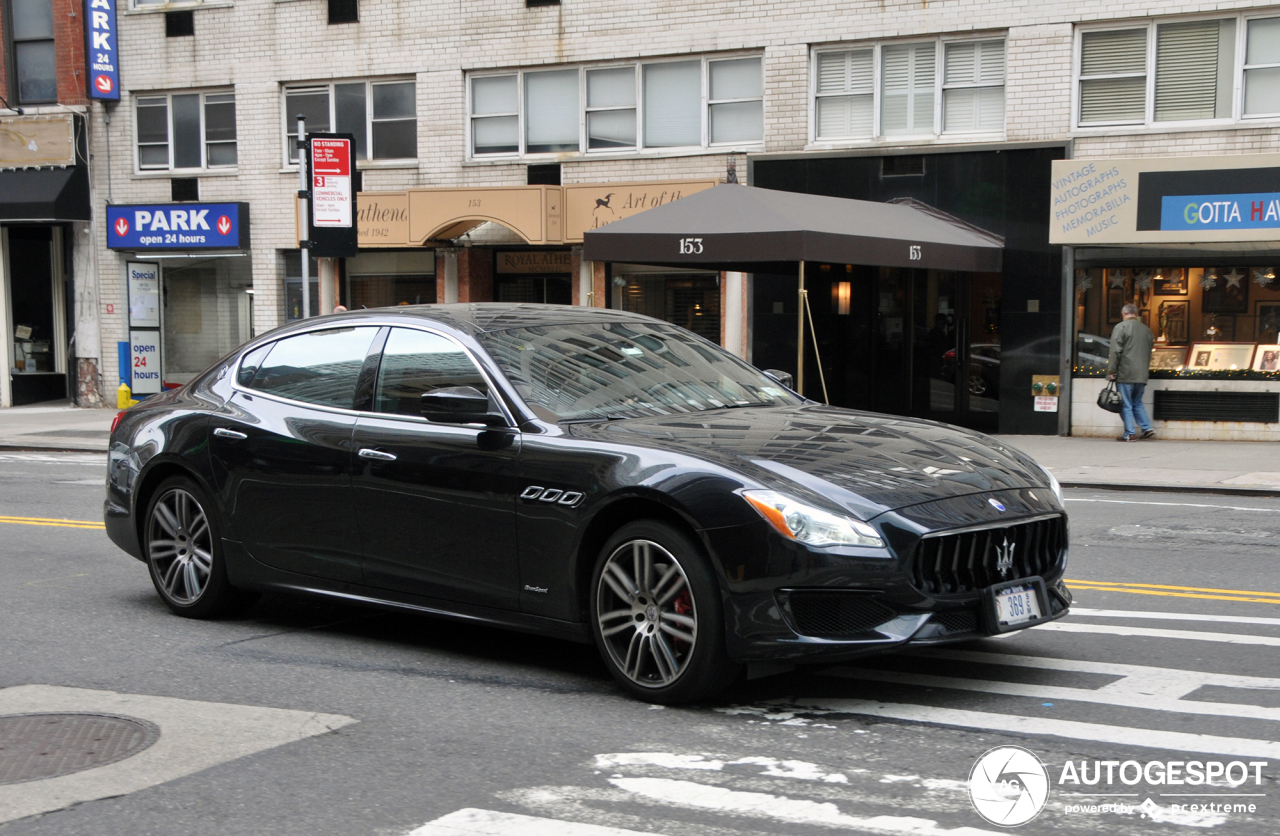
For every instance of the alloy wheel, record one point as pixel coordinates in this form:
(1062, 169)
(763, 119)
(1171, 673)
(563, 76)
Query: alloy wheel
(646, 613)
(180, 547)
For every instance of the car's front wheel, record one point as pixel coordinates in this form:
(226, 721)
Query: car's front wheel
(657, 615)
(184, 552)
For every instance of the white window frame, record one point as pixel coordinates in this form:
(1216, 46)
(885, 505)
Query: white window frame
(1238, 118)
(939, 74)
(204, 138)
(288, 121)
(638, 65)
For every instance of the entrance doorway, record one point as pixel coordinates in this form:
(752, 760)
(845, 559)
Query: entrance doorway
(36, 315)
(924, 343)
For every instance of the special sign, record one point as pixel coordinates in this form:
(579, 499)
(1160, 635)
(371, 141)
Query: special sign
(331, 195)
(101, 51)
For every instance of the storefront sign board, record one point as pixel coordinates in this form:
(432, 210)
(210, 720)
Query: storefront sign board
(37, 140)
(593, 205)
(383, 219)
(178, 226)
(144, 362)
(102, 51)
(534, 261)
(532, 212)
(144, 294)
(1159, 200)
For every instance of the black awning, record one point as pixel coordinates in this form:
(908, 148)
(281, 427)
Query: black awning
(44, 194)
(749, 229)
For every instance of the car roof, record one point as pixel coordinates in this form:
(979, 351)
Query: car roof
(483, 317)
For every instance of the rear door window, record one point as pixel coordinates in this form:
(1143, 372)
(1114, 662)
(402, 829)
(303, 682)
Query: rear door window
(319, 367)
(415, 362)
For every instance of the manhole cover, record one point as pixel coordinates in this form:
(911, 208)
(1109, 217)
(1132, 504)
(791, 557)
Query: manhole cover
(35, 746)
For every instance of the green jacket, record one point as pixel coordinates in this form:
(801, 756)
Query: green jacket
(1131, 343)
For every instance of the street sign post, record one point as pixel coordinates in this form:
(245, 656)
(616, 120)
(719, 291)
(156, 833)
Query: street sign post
(331, 229)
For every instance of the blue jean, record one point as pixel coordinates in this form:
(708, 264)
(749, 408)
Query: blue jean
(1132, 407)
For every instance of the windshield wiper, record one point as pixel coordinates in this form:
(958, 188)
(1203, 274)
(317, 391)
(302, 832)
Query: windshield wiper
(590, 419)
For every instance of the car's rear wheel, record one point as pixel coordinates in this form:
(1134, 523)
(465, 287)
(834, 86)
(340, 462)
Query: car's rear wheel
(657, 615)
(184, 553)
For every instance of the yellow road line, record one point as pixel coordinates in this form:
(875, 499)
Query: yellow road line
(1242, 595)
(87, 524)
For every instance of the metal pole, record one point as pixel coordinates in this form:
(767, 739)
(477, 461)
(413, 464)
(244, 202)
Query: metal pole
(306, 225)
(800, 334)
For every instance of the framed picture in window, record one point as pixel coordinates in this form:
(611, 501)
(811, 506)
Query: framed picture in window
(1173, 322)
(1267, 315)
(1165, 358)
(1229, 294)
(1115, 304)
(1267, 358)
(1172, 282)
(1220, 357)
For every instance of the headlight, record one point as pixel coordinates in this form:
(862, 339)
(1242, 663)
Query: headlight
(812, 526)
(1053, 483)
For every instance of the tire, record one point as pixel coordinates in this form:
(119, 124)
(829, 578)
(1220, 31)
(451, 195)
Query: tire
(662, 637)
(184, 552)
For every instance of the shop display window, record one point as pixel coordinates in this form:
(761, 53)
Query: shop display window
(1209, 322)
(207, 310)
(691, 301)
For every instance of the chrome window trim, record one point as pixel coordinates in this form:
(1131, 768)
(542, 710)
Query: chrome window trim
(488, 377)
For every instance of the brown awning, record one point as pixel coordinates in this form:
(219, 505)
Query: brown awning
(749, 229)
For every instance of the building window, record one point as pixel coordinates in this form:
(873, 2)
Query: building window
(973, 87)
(694, 103)
(1262, 67)
(1180, 71)
(344, 11)
(179, 24)
(382, 115)
(895, 89)
(186, 131)
(33, 53)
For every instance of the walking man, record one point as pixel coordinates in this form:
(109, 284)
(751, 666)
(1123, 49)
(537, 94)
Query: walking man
(1131, 343)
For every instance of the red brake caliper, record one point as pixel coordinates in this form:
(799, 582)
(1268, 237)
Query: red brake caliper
(682, 605)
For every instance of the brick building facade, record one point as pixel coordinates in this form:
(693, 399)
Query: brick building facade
(956, 83)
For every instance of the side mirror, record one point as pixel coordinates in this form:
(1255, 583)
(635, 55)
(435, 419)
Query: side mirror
(782, 377)
(460, 405)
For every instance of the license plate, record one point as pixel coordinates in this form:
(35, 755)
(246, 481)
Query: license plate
(1017, 605)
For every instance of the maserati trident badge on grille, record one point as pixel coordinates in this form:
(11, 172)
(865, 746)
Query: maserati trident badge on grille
(1004, 557)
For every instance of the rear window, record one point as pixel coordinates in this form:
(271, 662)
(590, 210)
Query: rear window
(319, 367)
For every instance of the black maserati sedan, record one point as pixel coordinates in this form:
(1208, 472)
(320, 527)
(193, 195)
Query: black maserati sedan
(582, 473)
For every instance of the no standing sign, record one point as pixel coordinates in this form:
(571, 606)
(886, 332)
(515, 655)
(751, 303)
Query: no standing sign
(333, 232)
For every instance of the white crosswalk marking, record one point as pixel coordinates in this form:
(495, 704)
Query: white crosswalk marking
(1154, 632)
(474, 822)
(1174, 616)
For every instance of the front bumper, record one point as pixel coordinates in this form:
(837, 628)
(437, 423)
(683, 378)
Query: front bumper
(765, 627)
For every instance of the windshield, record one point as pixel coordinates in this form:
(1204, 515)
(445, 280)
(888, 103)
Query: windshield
(626, 370)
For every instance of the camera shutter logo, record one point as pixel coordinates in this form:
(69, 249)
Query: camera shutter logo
(1008, 786)
(1004, 557)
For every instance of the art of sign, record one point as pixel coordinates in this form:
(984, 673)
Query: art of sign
(596, 205)
(177, 226)
(101, 51)
(1165, 200)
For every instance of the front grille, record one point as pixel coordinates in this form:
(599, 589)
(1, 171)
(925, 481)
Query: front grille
(968, 561)
(833, 614)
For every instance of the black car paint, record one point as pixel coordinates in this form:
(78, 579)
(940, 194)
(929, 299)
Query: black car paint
(299, 510)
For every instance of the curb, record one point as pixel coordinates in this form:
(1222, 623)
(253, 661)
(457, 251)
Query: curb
(38, 448)
(1210, 489)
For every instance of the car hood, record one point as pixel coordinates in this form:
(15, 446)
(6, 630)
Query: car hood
(864, 462)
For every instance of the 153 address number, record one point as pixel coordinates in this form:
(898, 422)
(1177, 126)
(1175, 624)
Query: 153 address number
(690, 246)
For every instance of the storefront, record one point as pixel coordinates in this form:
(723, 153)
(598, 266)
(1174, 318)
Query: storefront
(44, 203)
(1194, 243)
(188, 286)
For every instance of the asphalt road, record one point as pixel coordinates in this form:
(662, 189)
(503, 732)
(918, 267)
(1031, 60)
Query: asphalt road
(311, 718)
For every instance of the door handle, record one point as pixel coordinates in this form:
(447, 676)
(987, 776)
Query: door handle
(376, 455)
(223, 432)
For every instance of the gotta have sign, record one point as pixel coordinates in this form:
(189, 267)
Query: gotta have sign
(1186, 200)
(178, 226)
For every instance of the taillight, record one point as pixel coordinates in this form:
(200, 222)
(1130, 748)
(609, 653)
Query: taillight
(115, 422)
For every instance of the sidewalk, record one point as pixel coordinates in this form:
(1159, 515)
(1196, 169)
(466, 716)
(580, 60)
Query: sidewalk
(1243, 467)
(55, 425)
(1223, 466)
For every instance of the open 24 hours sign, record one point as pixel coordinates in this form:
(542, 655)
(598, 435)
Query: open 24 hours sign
(149, 227)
